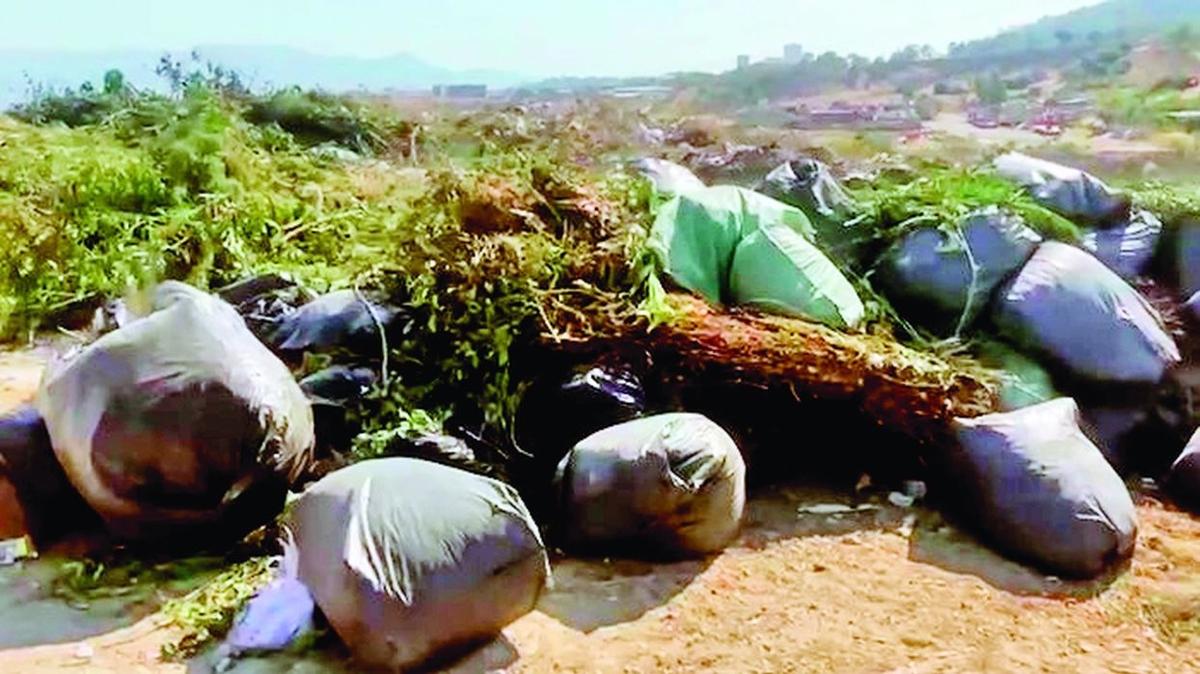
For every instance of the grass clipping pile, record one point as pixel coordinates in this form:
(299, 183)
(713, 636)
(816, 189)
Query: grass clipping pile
(605, 301)
(909, 391)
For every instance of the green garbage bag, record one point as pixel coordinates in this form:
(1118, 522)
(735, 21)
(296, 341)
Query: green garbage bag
(778, 271)
(1023, 382)
(734, 246)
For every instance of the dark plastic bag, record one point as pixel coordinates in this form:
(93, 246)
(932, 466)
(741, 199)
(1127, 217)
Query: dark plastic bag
(1183, 479)
(1193, 306)
(412, 561)
(1112, 428)
(1126, 249)
(1041, 491)
(338, 384)
(943, 280)
(181, 423)
(1077, 196)
(332, 391)
(553, 416)
(809, 185)
(672, 484)
(36, 498)
(263, 300)
(276, 618)
(1066, 306)
(1187, 257)
(343, 319)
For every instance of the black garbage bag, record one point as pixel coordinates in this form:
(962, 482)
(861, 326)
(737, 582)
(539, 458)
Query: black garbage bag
(1187, 257)
(943, 278)
(263, 300)
(1077, 196)
(556, 414)
(332, 391)
(251, 287)
(1127, 249)
(1066, 306)
(1112, 429)
(1193, 306)
(445, 449)
(809, 185)
(1039, 489)
(36, 498)
(339, 384)
(1140, 430)
(412, 561)
(1183, 479)
(469, 453)
(672, 485)
(344, 319)
(180, 424)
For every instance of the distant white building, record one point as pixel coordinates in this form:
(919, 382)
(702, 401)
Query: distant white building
(647, 91)
(743, 61)
(793, 53)
(460, 91)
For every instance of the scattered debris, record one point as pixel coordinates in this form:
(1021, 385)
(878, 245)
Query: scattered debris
(835, 509)
(14, 550)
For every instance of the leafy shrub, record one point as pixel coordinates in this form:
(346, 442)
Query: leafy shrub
(941, 196)
(314, 118)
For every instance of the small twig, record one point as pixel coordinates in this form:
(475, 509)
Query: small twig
(973, 287)
(383, 343)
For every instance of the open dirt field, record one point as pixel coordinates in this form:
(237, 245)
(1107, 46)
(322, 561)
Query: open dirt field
(880, 589)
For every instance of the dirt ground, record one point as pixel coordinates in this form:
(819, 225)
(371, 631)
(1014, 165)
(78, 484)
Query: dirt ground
(880, 589)
(956, 124)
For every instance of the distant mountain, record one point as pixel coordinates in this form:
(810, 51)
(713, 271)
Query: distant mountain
(260, 66)
(1106, 22)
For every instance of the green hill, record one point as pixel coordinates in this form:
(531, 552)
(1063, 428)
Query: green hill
(1107, 22)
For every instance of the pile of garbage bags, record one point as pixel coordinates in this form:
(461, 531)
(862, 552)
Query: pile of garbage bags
(1061, 322)
(181, 425)
(193, 419)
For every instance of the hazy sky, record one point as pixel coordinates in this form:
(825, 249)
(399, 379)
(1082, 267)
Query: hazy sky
(533, 37)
